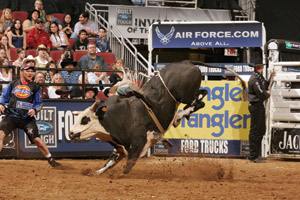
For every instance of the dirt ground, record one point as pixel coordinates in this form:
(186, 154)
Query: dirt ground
(151, 178)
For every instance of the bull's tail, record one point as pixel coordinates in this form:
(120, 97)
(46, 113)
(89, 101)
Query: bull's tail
(221, 67)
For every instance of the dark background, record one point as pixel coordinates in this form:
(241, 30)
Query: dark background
(281, 18)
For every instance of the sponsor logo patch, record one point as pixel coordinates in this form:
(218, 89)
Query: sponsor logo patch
(22, 91)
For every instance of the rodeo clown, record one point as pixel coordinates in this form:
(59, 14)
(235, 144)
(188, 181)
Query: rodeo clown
(24, 101)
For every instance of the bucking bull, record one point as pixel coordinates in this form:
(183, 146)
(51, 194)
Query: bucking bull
(134, 124)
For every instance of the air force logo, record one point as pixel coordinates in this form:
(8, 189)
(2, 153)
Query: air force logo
(165, 39)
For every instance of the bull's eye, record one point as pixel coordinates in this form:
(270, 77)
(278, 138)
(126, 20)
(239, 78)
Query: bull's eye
(85, 120)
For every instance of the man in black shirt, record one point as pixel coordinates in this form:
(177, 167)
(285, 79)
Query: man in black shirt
(80, 44)
(257, 94)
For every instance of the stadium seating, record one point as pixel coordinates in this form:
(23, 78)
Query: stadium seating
(78, 54)
(110, 68)
(101, 96)
(21, 15)
(13, 54)
(55, 54)
(108, 57)
(71, 42)
(31, 52)
(59, 16)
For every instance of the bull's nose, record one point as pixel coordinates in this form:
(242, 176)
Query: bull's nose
(75, 137)
(71, 134)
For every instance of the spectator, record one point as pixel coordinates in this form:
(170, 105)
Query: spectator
(67, 54)
(50, 74)
(21, 55)
(84, 23)
(29, 23)
(2, 52)
(5, 73)
(40, 78)
(90, 93)
(42, 56)
(91, 59)
(30, 60)
(51, 90)
(58, 38)
(50, 19)
(69, 76)
(68, 26)
(38, 36)
(98, 78)
(102, 43)
(117, 76)
(80, 44)
(4, 45)
(38, 5)
(5, 21)
(76, 91)
(16, 37)
(63, 93)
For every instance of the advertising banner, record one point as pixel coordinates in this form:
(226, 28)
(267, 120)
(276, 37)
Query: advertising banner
(220, 128)
(207, 35)
(240, 68)
(285, 141)
(10, 144)
(54, 122)
(134, 22)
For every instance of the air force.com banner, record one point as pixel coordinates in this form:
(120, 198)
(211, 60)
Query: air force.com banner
(206, 35)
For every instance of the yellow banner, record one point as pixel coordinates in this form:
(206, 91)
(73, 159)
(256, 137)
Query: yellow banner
(225, 115)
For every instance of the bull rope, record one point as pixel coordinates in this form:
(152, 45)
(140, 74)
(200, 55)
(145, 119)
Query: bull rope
(158, 74)
(151, 113)
(154, 118)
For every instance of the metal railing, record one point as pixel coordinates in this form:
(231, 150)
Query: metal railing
(16, 75)
(121, 46)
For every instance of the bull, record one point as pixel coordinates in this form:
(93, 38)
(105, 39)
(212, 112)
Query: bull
(134, 124)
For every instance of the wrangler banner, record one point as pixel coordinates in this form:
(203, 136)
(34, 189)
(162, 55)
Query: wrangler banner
(220, 128)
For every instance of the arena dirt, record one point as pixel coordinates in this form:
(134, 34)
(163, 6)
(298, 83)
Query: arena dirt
(151, 178)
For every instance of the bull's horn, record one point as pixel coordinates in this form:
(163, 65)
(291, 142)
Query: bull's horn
(95, 105)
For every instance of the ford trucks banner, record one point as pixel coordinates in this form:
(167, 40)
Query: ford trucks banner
(220, 128)
(240, 68)
(207, 35)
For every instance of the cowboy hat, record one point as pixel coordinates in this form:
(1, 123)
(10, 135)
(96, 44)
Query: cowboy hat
(95, 90)
(63, 89)
(41, 47)
(68, 61)
(29, 58)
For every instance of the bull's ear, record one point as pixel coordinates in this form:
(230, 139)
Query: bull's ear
(76, 113)
(95, 105)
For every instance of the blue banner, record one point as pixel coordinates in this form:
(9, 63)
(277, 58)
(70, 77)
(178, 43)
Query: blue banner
(212, 35)
(240, 68)
(202, 147)
(54, 122)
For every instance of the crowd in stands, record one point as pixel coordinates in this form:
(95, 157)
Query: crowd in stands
(44, 41)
